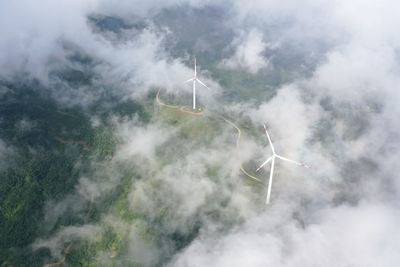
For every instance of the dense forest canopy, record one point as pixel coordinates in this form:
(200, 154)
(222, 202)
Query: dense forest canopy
(104, 163)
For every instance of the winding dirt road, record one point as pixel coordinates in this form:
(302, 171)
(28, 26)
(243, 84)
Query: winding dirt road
(181, 108)
(239, 132)
(61, 261)
(67, 249)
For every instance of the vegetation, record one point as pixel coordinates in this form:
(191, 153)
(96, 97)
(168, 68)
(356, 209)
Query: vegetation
(52, 147)
(56, 143)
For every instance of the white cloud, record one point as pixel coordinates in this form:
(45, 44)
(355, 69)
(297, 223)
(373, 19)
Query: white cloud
(7, 155)
(32, 35)
(288, 117)
(248, 53)
(139, 141)
(57, 242)
(309, 119)
(341, 236)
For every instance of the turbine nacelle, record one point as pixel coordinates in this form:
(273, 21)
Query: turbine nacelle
(274, 156)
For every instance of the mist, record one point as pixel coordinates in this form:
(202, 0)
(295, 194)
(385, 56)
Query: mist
(152, 186)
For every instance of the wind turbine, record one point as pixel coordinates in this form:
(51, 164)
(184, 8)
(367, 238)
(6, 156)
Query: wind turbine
(272, 160)
(195, 79)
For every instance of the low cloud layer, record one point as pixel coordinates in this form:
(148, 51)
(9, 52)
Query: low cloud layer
(344, 236)
(322, 77)
(248, 53)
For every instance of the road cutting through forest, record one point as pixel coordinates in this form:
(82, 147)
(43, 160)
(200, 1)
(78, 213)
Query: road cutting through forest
(239, 131)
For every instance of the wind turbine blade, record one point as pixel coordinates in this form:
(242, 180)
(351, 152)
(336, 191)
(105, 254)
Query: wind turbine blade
(195, 68)
(293, 161)
(200, 82)
(191, 79)
(271, 176)
(265, 162)
(269, 140)
(194, 93)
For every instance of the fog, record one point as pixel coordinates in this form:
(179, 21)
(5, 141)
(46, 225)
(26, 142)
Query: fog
(323, 77)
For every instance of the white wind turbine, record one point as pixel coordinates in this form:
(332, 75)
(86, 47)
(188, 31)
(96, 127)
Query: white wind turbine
(272, 160)
(195, 79)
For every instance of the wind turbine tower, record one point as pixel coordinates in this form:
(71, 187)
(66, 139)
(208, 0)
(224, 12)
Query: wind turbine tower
(272, 160)
(194, 79)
